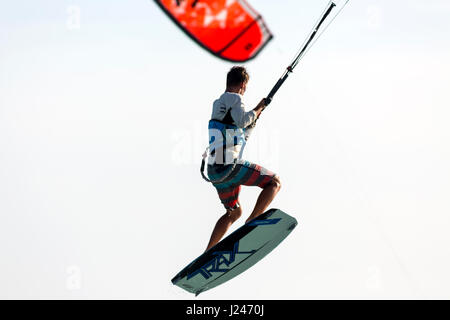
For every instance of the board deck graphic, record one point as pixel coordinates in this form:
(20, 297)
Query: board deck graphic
(237, 252)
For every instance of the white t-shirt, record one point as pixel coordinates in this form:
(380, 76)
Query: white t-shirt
(232, 101)
(229, 109)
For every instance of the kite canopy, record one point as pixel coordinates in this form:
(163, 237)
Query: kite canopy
(229, 29)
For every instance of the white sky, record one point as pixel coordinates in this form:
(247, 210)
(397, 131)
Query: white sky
(103, 123)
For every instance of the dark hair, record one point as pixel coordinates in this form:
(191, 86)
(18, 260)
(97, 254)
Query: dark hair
(236, 76)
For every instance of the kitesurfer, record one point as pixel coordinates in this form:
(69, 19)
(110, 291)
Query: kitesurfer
(229, 128)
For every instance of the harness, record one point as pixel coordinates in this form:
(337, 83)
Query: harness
(202, 169)
(223, 126)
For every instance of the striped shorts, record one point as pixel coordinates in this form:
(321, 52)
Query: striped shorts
(244, 173)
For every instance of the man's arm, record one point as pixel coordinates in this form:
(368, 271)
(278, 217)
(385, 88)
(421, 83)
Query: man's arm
(260, 107)
(244, 119)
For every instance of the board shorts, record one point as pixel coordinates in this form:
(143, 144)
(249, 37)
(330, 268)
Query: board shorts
(243, 173)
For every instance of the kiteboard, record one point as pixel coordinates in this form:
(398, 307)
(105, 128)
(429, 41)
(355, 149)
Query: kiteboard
(237, 252)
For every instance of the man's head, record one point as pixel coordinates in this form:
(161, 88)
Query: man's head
(237, 79)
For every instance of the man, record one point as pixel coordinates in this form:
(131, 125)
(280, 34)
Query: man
(229, 128)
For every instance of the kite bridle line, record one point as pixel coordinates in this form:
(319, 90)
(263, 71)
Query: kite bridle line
(313, 37)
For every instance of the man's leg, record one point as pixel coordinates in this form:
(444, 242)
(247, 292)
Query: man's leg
(223, 224)
(265, 198)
